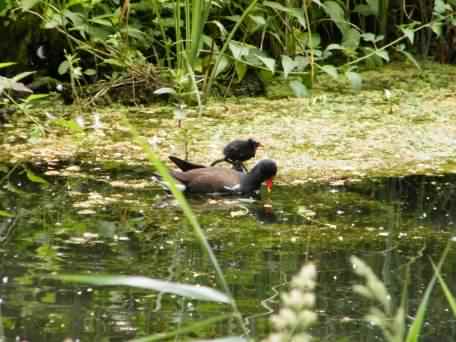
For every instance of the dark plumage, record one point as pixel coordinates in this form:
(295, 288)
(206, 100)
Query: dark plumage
(237, 152)
(222, 180)
(185, 165)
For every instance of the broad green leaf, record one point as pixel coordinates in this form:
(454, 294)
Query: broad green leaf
(288, 65)
(382, 54)
(25, 5)
(6, 64)
(238, 49)
(258, 20)
(276, 5)
(410, 34)
(439, 6)
(241, 69)
(63, 67)
(336, 13)
(312, 40)
(437, 28)
(351, 39)
(222, 66)
(34, 178)
(185, 290)
(374, 6)
(355, 80)
(368, 37)
(299, 89)
(331, 70)
(268, 62)
(4, 213)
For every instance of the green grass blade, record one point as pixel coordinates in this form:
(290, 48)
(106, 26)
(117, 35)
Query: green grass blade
(415, 329)
(449, 296)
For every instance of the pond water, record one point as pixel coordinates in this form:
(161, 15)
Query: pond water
(111, 223)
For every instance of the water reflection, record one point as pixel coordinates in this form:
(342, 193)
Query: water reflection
(389, 222)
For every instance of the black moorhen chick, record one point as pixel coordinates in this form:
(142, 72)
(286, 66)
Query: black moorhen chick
(237, 152)
(228, 181)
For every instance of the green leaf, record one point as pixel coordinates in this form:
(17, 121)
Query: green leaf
(22, 75)
(238, 49)
(4, 213)
(351, 39)
(299, 89)
(35, 97)
(34, 178)
(355, 80)
(336, 13)
(185, 290)
(90, 72)
(437, 28)
(312, 41)
(382, 54)
(241, 69)
(258, 20)
(410, 34)
(63, 67)
(374, 6)
(268, 62)
(6, 64)
(331, 70)
(222, 66)
(288, 65)
(25, 5)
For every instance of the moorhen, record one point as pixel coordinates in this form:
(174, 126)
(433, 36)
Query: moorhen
(227, 181)
(237, 152)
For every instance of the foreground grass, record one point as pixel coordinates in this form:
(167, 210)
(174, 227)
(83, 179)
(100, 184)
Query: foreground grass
(335, 134)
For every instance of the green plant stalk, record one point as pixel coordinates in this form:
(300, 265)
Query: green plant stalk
(449, 296)
(184, 330)
(225, 45)
(190, 216)
(312, 61)
(194, 85)
(179, 42)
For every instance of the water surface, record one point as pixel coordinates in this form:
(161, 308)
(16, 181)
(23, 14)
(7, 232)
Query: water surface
(111, 223)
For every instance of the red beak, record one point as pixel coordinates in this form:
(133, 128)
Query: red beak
(269, 184)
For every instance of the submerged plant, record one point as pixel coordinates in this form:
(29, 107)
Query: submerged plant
(297, 314)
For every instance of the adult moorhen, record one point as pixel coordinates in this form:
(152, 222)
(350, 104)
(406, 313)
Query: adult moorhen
(227, 181)
(237, 152)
